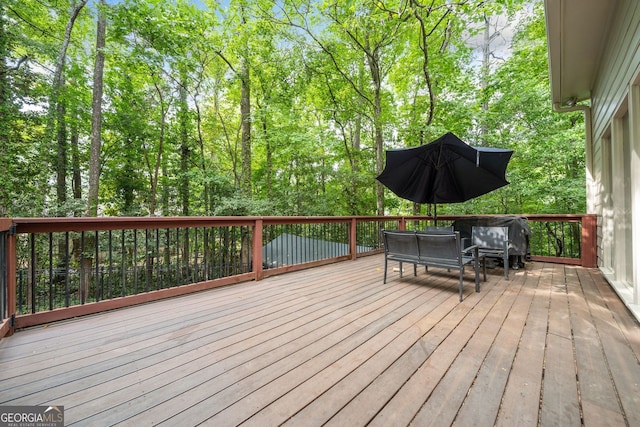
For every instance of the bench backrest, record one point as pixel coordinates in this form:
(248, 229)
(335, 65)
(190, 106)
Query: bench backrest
(438, 229)
(439, 246)
(400, 243)
(495, 238)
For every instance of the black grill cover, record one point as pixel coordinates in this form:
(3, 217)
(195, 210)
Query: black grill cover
(519, 230)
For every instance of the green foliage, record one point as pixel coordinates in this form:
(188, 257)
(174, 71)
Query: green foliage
(327, 81)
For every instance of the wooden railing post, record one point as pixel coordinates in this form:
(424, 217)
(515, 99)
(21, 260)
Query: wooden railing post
(589, 241)
(7, 326)
(352, 239)
(257, 249)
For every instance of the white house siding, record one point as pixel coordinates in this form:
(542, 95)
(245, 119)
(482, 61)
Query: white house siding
(634, 177)
(616, 154)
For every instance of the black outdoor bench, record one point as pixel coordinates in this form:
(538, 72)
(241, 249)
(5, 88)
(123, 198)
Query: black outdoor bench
(431, 250)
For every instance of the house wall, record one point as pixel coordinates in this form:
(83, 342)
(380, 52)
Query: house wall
(615, 168)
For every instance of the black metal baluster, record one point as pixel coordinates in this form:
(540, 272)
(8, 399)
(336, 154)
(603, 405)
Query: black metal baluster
(97, 270)
(32, 284)
(66, 270)
(178, 264)
(135, 261)
(20, 288)
(167, 259)
(101, 281)
(81, 284)
(196, 270)
(110, 268)
(123, 265)
(147, 266)
(205, 253)
(158, 271)
(186, 246)
(51, 290)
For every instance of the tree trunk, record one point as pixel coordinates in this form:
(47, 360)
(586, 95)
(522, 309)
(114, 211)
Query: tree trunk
(245, 183)
(185, 151)
(154, 170)
(56, 111)
(76, 184)
(245, 113)
(356, 145)
(376, 79)
(5, 116)
(96, 113)
(268, 154)
(61, 156)
(206, 184)
(4, 69)
(165, 192)
(484, 75)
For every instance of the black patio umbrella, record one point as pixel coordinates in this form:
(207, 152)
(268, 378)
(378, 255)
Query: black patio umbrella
(446, 170)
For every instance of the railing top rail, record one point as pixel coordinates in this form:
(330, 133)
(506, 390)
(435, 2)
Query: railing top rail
(5, 224)
(42, 225)
(558, 217)
(62, 224)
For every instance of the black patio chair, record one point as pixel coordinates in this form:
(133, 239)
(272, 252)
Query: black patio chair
(492, 242)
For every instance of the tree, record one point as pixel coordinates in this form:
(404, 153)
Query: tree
(8, 110)
(368, 32)
(57, 108)
(266, 107)
(236, 58)
(96, 117)
(547, 172)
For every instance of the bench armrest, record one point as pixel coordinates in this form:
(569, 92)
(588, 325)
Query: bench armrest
(470, 248)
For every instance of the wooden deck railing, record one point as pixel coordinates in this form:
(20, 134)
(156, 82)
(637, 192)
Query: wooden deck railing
(58, 268)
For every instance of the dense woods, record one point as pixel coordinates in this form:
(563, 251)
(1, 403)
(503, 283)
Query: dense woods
(178, 107)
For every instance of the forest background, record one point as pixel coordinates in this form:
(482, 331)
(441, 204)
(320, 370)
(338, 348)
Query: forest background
(262, 107)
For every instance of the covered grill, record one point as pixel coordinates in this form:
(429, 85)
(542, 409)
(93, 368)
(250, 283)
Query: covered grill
(519, 232)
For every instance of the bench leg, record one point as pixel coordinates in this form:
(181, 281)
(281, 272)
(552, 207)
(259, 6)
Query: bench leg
(460, 285)
(384, 281)
(476, 271)
(484, 269)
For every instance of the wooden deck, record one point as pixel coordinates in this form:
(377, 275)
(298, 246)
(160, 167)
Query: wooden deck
(332, 345)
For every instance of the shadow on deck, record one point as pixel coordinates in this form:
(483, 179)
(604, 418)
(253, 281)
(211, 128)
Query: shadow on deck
(551, 345)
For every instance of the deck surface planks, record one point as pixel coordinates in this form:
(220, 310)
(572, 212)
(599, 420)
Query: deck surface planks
(332, 345)
(600, 405)
(485, 396)
(559, 387)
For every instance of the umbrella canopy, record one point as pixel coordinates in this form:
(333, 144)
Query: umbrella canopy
(446, 170)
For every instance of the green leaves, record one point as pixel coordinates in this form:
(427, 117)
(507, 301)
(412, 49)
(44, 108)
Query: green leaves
(331, 85)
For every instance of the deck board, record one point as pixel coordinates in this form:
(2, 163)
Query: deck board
(597, 393)
(432, 355)
(618, 353)
(521, 398)
(482, 404)
(333, 345)
(560, 399)
(369, 360)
